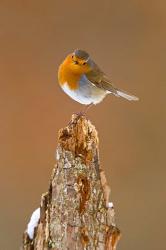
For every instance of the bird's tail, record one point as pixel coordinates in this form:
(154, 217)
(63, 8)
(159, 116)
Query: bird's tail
(124, 94)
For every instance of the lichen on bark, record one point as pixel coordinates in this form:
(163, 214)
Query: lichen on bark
(75, 212)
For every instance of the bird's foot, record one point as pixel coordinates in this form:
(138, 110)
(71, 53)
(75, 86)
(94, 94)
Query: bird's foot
(78, 116)
(81, 113)
(84, 111)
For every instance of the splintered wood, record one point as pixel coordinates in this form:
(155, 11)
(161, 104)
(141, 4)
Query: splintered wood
(76, 212)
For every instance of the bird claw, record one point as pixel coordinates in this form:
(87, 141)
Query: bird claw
(81, 113)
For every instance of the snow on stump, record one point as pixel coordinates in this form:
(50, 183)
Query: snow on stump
(76, 212)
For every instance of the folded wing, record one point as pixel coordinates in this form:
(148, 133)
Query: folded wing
(100, 80)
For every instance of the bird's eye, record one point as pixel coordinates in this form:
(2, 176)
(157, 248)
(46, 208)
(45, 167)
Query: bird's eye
(84, 63)
(72, 56)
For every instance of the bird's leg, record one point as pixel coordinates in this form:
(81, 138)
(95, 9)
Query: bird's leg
(87, 108)
(84, 111)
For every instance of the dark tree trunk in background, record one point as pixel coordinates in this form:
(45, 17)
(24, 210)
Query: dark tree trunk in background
(76, 212)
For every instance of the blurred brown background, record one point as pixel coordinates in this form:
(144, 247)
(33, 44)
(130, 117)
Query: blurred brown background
(128, 40)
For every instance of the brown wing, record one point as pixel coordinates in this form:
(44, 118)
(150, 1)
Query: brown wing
(100, 80)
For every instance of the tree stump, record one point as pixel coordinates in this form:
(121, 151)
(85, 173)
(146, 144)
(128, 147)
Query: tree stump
(75, 213)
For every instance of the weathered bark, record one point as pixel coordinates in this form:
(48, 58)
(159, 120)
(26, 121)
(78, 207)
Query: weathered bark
(75, 213)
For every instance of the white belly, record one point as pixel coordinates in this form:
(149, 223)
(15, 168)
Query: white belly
(86, 94)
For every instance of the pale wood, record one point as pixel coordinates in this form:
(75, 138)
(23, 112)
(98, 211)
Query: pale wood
(74, 211)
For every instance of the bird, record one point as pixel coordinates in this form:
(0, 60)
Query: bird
(83, 80)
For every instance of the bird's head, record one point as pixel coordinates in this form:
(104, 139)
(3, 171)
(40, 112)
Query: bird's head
(78, 62)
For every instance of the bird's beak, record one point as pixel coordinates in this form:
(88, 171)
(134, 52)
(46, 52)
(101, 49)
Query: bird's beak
(75, 62)
(87, 59)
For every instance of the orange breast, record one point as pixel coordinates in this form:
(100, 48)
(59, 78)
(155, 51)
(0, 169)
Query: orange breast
(65, 75)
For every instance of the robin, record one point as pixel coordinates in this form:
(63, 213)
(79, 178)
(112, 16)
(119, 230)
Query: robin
(81, 78)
